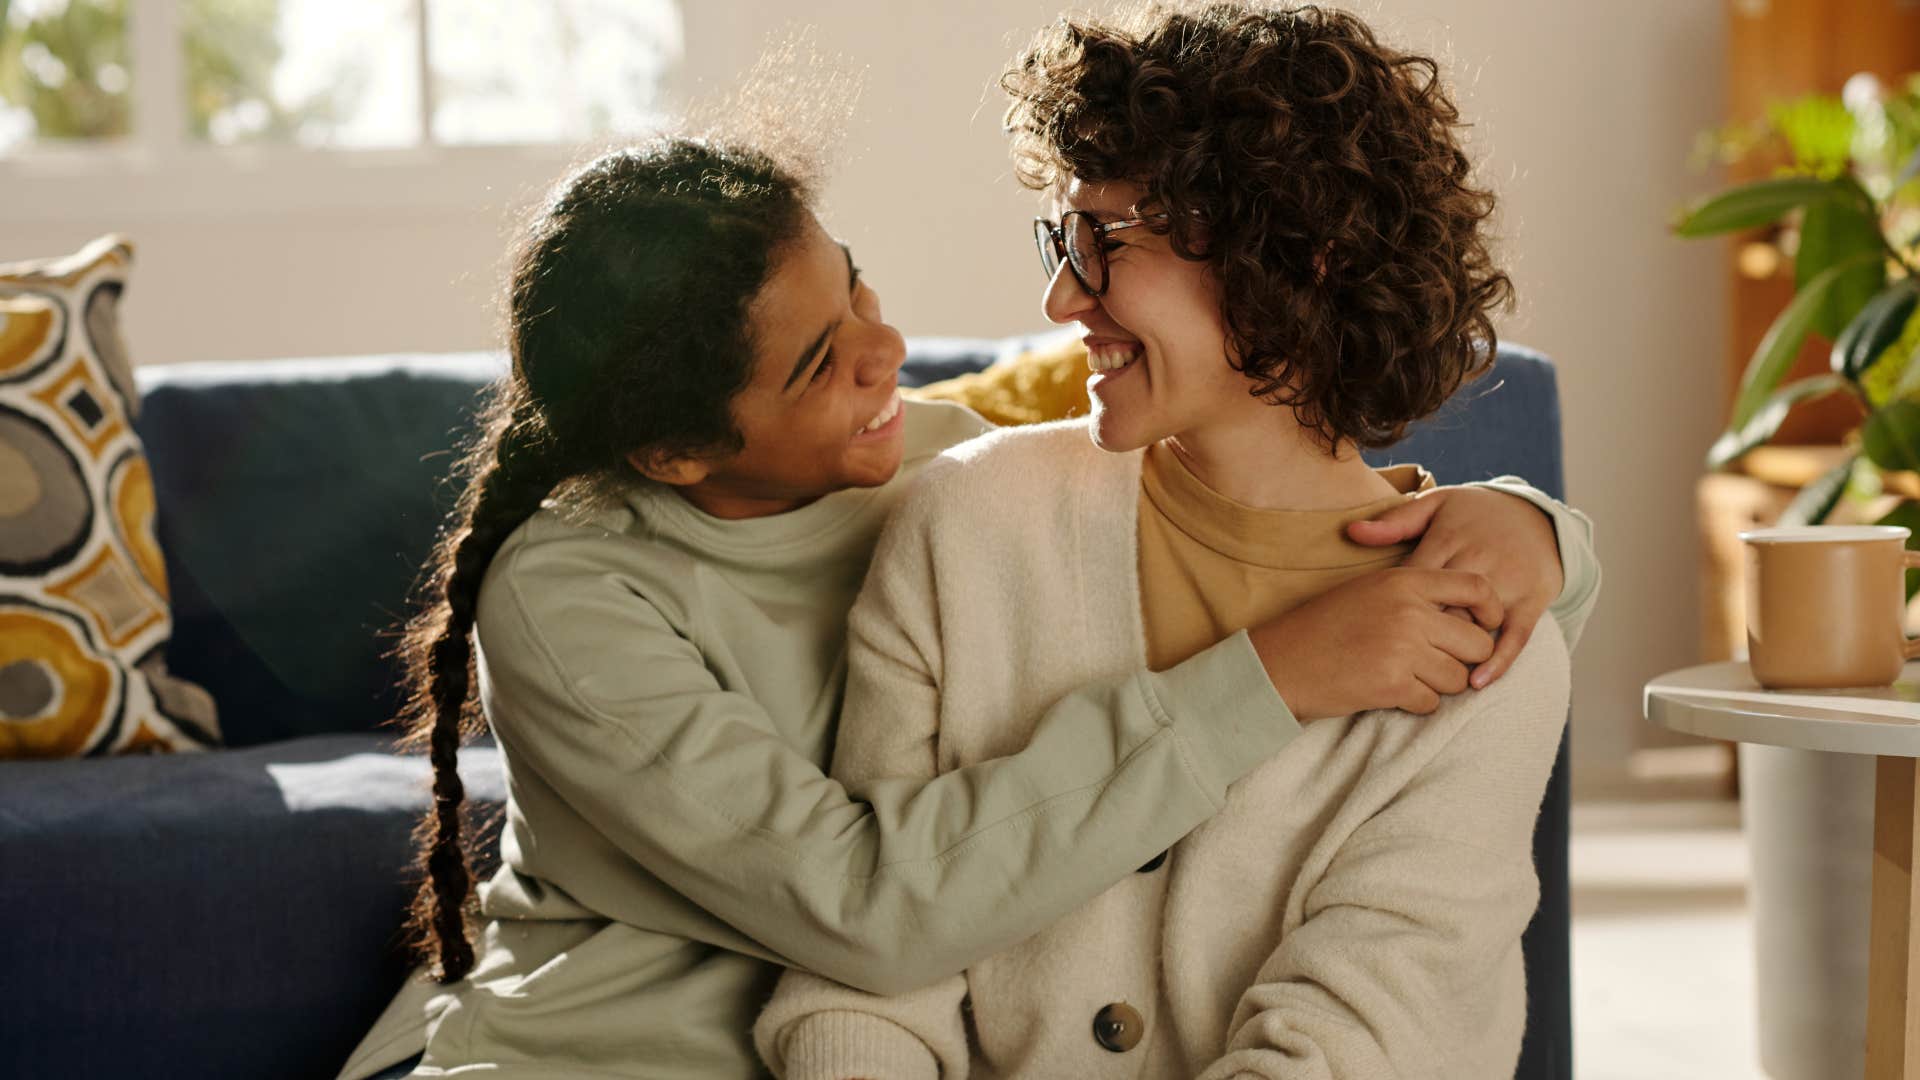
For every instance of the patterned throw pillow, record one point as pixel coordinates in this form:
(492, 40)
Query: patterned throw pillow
(84, 619)
(1048, 382)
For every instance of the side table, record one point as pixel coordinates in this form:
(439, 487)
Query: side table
(1721, 701)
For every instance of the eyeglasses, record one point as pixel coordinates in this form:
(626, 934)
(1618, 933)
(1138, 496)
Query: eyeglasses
(1082, 242)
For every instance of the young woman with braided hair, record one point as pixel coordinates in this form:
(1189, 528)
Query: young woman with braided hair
(670, 506)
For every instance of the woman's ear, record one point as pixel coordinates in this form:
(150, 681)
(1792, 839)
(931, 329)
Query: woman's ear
(674, 470)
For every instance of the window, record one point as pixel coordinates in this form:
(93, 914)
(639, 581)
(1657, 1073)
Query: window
(321, 73)
(510, 71)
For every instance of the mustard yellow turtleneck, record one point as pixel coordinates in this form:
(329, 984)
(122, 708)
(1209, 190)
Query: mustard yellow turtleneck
(1210, 566)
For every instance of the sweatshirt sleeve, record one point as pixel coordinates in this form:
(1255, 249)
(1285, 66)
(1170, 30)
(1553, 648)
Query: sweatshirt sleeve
(589, 687)
(815, 1028)
(1579, 566)
(1406, 958)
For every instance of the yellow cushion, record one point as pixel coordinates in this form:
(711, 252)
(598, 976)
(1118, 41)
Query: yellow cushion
(1048, 383)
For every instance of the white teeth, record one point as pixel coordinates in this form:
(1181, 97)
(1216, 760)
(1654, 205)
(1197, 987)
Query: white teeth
(1111, 357)
(886, 414)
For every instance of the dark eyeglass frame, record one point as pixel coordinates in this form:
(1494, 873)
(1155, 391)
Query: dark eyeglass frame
(1051, 238)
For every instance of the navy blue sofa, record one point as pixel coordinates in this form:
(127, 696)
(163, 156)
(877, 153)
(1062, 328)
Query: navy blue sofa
(235, 913)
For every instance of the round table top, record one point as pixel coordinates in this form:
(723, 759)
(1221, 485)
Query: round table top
(1721, 701)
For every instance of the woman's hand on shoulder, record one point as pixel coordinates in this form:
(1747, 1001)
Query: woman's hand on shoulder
(1506, 539)
(1400, 638)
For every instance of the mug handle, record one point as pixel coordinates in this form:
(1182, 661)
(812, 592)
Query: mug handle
(1912, 559)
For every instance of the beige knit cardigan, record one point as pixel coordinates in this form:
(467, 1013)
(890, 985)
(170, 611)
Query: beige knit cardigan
(1354, 912)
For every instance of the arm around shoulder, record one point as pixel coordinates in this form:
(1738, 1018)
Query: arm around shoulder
(589, 685)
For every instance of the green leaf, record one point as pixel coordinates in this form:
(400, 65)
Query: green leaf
(1894, 373)
(1907, 515)
(1778, 348)
(1877, 326)
(1761, 202)
(1891, 437)
(1818, 499)
(1832, 231)
(1905, 353)
(1736, 442)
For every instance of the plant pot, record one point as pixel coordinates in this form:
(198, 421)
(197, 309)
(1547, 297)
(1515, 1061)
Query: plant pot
(1809, 825)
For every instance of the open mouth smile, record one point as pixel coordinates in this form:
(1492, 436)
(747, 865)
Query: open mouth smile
(884, 422)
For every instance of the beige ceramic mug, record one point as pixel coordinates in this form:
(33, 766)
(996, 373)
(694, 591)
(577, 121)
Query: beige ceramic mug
(1826, 605)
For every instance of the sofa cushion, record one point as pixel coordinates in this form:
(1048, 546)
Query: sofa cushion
(297, 500)
(84, 614)
(239, 907)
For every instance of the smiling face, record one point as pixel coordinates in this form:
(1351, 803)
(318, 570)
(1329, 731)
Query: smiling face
(821, 412)
(1156, 339)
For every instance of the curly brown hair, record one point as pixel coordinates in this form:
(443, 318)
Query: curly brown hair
(1317, 172)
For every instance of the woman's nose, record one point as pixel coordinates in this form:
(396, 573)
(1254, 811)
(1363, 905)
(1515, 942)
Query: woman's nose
(1065, 301)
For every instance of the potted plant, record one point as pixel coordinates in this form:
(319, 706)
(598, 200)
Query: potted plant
(1848, 203)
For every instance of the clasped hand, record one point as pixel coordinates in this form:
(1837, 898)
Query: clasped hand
(1455, 614)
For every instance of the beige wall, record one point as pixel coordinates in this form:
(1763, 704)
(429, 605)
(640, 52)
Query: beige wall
(1584, 114)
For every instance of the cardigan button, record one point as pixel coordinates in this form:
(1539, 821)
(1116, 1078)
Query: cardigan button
(1118, 1027)
(1153, 864)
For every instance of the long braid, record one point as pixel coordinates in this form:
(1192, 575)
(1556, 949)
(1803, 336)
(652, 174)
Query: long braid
(508, 481)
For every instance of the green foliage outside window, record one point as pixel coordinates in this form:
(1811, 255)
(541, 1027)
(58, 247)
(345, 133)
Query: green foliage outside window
(70, 68)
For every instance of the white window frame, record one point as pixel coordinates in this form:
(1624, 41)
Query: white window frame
(157, 171)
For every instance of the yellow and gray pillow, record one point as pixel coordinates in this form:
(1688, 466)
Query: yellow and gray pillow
(84, 616)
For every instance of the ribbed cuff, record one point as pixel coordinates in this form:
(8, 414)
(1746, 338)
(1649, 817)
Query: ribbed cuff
(842, 1044)
(1225, 711)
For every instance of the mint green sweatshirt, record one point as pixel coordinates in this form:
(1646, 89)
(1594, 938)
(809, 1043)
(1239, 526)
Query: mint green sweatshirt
(664, 687)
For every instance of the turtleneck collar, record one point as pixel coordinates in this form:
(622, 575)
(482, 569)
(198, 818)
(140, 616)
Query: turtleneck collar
(1277, 539)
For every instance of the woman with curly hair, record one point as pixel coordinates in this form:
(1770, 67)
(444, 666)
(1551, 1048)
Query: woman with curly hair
(1265, 226)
